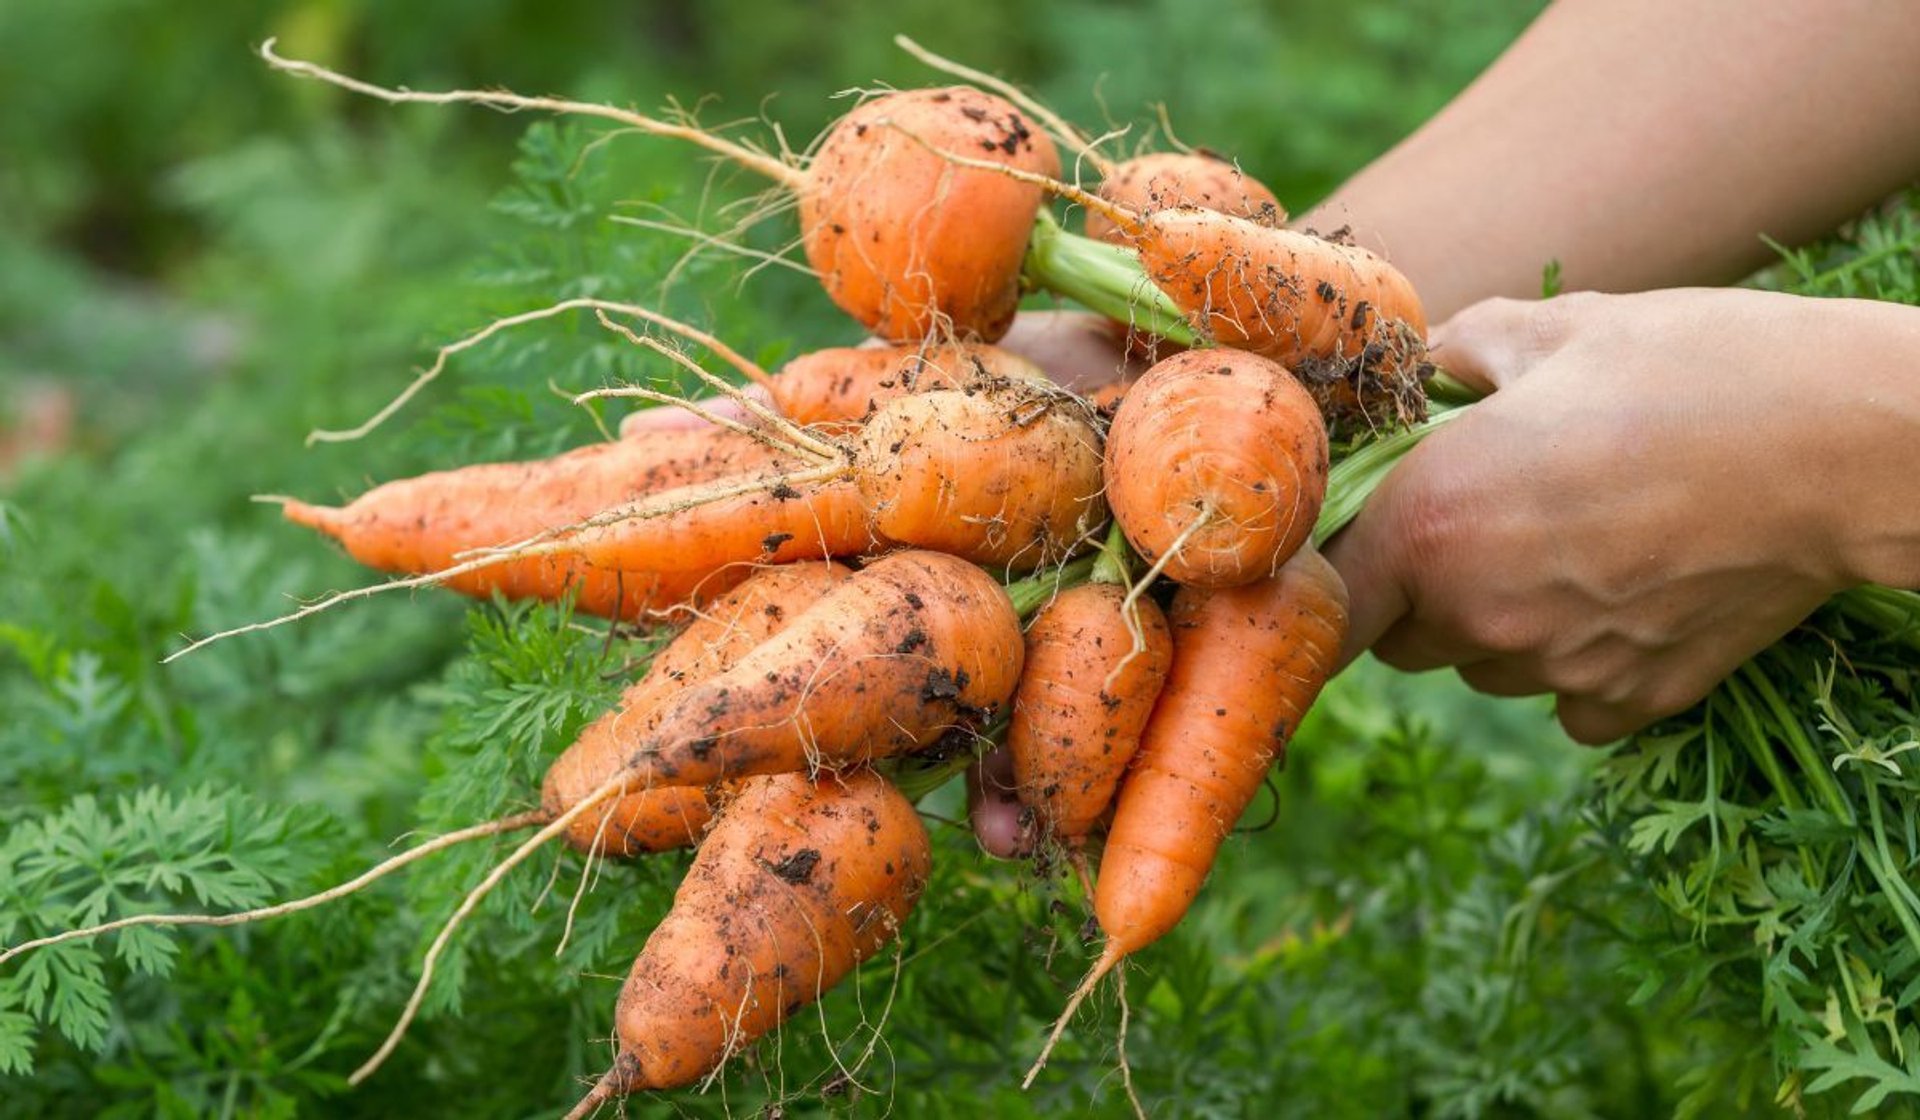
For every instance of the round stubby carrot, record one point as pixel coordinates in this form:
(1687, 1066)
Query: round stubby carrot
(907, 244)
(796, 884)
(1005, 475)
(674, 816)
(914, 646)
(1247, 664)
(1216, 466)
(420, 524)
(1158, 180)
(1084, 698)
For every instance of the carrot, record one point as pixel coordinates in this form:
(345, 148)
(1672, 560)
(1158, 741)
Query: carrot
(1083, 701)
(1247, 663)
(908, 246)
(1163, 180)
(427, 523)
(914, 646)
(1216, 466)
(796, 884)
(1007, 473)
(1343, 320)
(672, 817)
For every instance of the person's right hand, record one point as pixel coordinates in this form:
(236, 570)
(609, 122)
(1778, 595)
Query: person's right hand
(1659, 486)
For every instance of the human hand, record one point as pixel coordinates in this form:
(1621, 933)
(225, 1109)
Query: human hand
(1659, 486)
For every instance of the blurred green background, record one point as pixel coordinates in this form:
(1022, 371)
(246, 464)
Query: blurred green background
(202, 259)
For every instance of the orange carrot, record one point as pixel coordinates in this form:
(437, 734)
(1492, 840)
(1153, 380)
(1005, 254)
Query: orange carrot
(675, 816)
(1084, 698)
(1005, 475)
(1216, 466)
(908, 246)
(1247, 663)
(914, 646)
(1163, 180)
(795, 885)
(422, 524)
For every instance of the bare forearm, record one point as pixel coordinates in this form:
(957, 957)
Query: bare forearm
(1645, 143)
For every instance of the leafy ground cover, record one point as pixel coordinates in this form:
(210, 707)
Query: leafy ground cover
(1450, 911)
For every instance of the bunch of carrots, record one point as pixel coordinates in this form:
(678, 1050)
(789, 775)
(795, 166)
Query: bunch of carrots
(882, 559)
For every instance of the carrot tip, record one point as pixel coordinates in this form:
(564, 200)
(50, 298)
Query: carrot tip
(327, 519)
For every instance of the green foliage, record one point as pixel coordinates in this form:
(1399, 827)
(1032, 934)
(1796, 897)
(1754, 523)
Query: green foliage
(1453, 915)
(1776, 823)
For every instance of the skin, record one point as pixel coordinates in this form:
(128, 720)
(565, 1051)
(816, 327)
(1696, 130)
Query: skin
(1646, 144)
(1661, 142)
(1659, 486)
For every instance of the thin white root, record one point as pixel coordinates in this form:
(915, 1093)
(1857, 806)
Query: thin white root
(385, 867)
(1108, 958)
(1130, 606)
(1053, 122)
(474, 897)
(1119, 215)
(786, 428)
(712, 241)
(753, 159)
(1120, 1045)
(427, 376)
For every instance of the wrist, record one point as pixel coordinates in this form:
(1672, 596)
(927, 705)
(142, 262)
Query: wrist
(1868, 469)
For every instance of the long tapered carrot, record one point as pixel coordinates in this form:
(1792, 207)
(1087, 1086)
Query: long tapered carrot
(1247, 663)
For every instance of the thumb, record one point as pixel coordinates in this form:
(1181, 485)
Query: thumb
(1367, 555)
(1493, 343)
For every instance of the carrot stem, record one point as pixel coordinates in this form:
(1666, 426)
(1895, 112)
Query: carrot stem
(1105, 278)
(1036, 591)
(1354, 478)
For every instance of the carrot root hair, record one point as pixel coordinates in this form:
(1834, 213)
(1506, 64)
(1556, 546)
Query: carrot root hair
(611, 1084)
(555, 827)
(341, 890)
(752, 158)
(1052, 121)
(1126, 219)
(1111, 956)
(441, 356)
